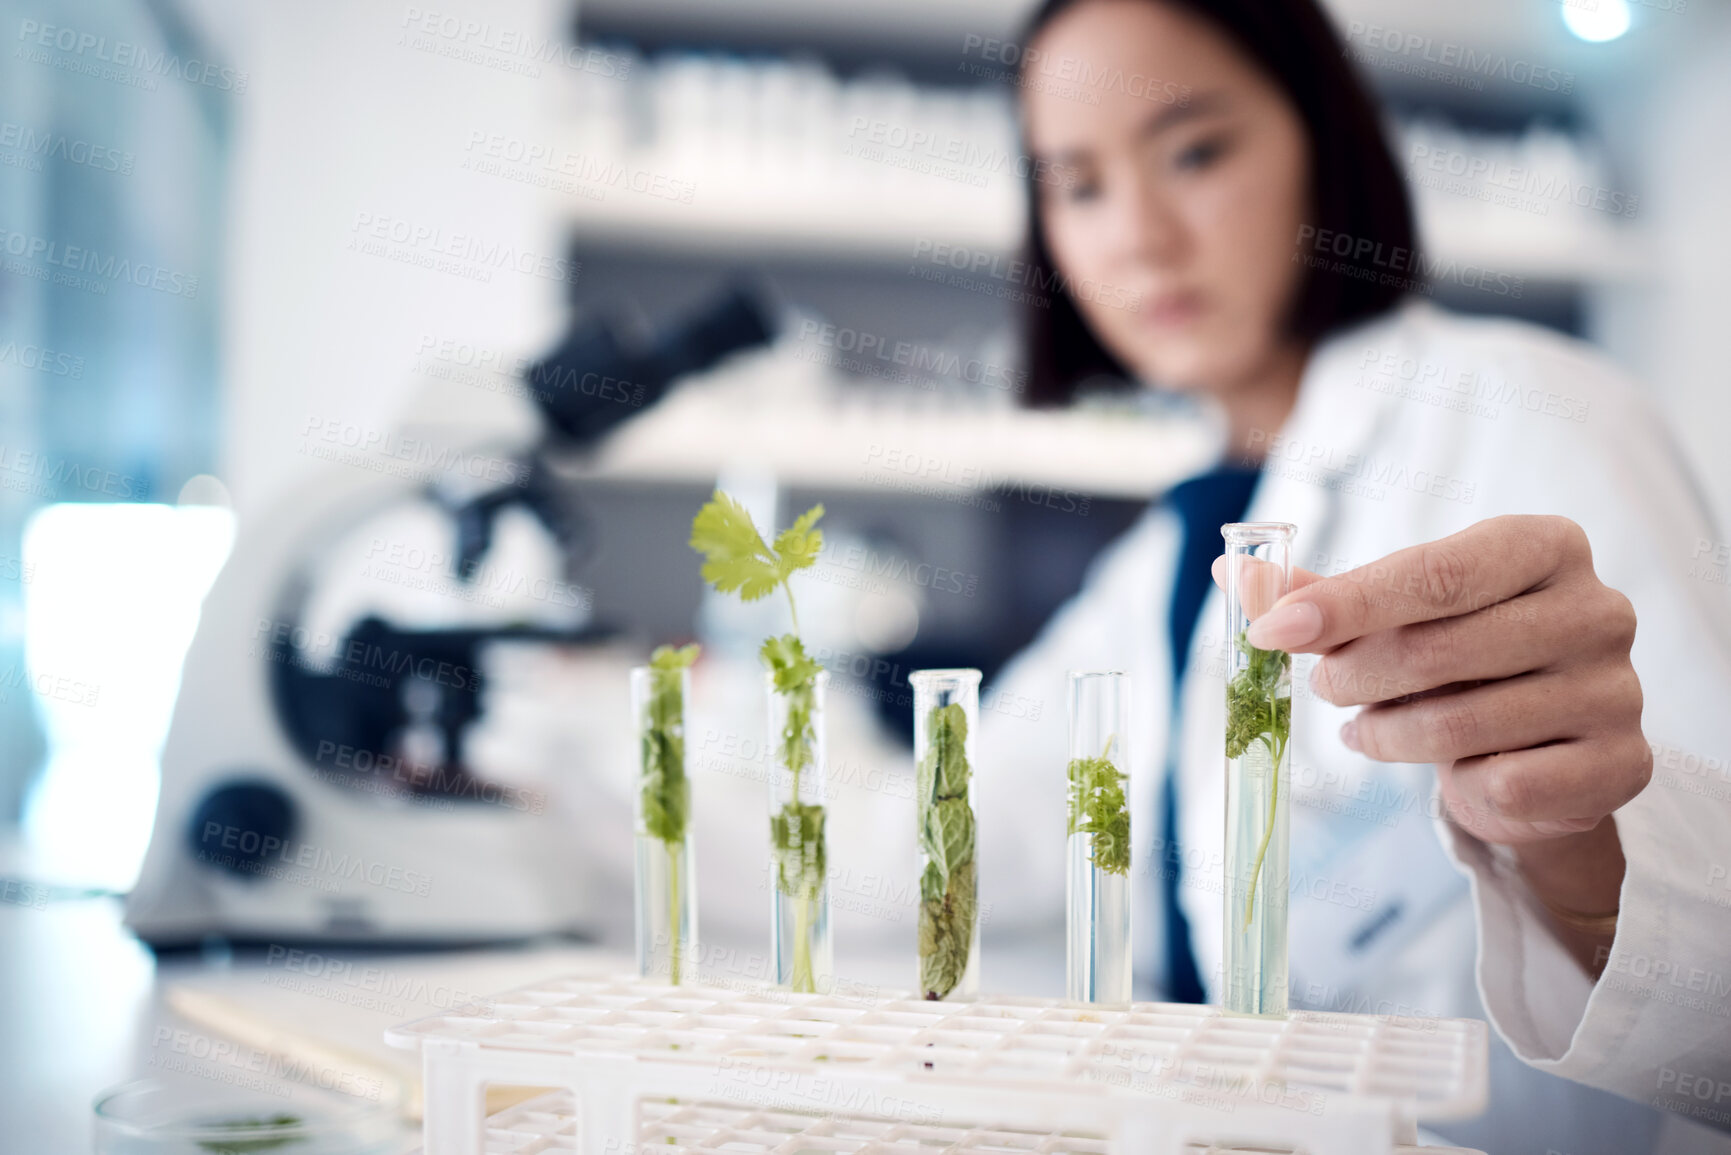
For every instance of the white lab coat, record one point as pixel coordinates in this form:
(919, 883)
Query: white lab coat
(1409, 428)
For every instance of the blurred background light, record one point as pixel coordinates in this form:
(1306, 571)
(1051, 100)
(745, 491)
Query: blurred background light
(110, 608)
(1596, 21)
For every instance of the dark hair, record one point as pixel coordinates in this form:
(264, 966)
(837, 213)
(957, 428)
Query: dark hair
(1356, 187)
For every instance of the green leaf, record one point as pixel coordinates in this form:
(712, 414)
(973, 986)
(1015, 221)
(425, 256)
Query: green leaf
(737, 560)
(786, 658)
(931, 883)
(242, 1146)
(668, 658)
(946, 752)
(798, 546)
(947, 837)
(949, 834)
(946, 932)
(736, 557)
(798, 849)
(664, 789)
(1098, 807)
(794, 676)
(1257, 711)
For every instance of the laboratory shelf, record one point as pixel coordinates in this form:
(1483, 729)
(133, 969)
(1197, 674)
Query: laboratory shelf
(823, 222)
(1147, 1077)
(838, 223)
(758, 156)
(782, 415)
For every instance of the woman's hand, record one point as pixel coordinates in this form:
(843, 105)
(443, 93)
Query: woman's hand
(1498, 655)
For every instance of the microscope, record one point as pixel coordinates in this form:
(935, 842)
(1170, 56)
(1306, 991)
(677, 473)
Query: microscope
(317, 784)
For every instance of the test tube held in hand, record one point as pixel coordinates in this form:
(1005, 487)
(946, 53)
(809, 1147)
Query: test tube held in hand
(1258, 773)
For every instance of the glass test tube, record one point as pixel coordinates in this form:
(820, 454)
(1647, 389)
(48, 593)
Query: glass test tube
(1258, 773)
(666, 866)
(799, 923)
(946, 716)
(1097, 890)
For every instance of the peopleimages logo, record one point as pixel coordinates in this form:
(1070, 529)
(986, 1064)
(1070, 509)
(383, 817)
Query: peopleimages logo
(1366, 259)
(33, 472)
(875, 355)
(744, 1079)
(464, 254)
(58, 146)
(1332, 466)
(482, 42)
(1007, 270)
(1073, 75)
(41, 360)
(1527, 186)
(935, 471)
(87, 46)
(1464, 59)
(954, 157)
(265, 854)
(78, 260)
(48, 687)
(361, 656)
(344, 981)
(541, 164)
(387, 451)
(1469, 385)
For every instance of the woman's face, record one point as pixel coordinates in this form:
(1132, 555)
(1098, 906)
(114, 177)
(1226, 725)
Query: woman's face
(1179, 179)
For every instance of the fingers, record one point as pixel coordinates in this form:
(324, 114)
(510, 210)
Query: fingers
(1485, 564)
(1562, 788)
(1300, 577)
(1501, 641)
(1259, 584)
(1506, 715)
(1568, 624)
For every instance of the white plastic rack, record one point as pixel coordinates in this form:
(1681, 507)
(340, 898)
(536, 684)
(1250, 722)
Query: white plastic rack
(547, 1125)
(712, 1068)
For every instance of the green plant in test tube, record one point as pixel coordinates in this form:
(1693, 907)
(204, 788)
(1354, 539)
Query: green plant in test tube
(1257, 767)
(946, 708)
(1097, 887)
(738, 560)
(666, 882)
(1099, 809)
(1258, 744)
(1258, 712)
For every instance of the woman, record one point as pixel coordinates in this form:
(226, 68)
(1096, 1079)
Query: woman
(1480, 685)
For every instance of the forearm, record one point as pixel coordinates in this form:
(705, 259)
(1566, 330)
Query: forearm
(1581, 874)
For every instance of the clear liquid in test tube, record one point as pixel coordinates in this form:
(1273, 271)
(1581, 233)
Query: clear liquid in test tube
(1258, 773)
(1097, 894)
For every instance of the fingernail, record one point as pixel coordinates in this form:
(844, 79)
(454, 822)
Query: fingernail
(1349, 736)
(1287, 627)
(1558, 827)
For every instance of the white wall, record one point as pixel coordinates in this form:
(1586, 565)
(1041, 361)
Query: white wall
(341, 118)
(1674, 328)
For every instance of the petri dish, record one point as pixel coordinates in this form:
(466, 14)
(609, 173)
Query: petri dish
(157, 1117)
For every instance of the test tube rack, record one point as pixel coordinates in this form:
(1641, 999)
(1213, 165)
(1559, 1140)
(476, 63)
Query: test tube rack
(748, 1068)
(547, 1125)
